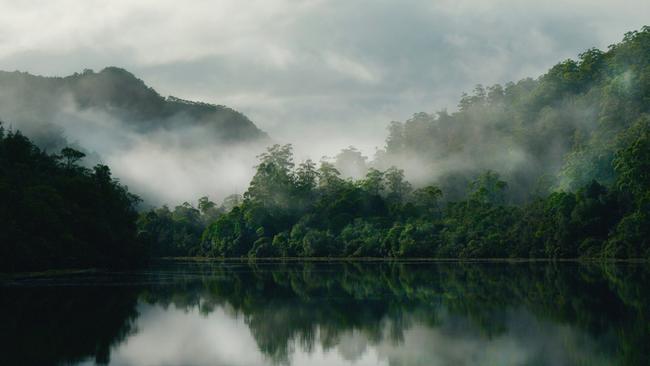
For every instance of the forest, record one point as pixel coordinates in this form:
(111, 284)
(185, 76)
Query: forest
(556, 167)
(553, 167)
(57, 214)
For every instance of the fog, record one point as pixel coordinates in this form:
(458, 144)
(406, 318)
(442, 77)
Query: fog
(165, 161)
(322, 75)
(452, 150)
(164, 166)
(302, 70)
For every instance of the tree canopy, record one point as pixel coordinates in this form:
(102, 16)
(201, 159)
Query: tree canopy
(55, 213)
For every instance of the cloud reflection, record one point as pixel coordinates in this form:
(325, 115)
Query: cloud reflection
(173, 336)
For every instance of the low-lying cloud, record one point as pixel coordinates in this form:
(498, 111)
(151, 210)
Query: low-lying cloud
(179, 162)
(320, 74)
(295, 67)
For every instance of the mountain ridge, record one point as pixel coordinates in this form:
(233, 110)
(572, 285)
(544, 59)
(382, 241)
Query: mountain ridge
(122, 95)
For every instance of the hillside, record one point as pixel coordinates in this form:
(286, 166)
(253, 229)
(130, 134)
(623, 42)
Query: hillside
(554, 167)
(557, 131)
(27, 101)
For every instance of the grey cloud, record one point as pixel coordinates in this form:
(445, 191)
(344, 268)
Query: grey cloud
(321, 74)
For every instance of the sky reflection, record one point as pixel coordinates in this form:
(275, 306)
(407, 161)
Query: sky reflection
(173, 336)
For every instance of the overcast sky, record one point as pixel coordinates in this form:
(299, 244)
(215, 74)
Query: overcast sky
(321, 74)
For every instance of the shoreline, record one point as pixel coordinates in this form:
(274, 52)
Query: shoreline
(75, 271)
(411, 259)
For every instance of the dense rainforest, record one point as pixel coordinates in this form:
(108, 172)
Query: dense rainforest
(557, 167)
(554, 167)
(55, 213)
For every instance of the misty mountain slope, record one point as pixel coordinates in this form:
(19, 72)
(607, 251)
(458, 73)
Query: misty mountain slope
(29, 98)
(558, 131)
(558, 167)
(168, 150)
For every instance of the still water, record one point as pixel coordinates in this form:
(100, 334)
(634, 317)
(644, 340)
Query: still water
(356, 313)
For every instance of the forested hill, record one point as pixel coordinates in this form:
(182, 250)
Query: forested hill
(34, 103)
(556, 167)
(558, 131)
(57, 214)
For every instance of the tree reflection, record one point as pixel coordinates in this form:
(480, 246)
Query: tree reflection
(346, 306)
(291, 303)
(55, 325)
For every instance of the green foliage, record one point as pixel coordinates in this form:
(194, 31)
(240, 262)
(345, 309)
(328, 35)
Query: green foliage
(56, 214)
(632, 162)
(567, 124)
(315, 213)
(557, 167)
(573, 147)
(178, 232)
(396, 187)
(488, 188)
(631, 237)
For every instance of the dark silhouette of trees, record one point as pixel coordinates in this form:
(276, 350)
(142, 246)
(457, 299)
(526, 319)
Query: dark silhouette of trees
(55, 213)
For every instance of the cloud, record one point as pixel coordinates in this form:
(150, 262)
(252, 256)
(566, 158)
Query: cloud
(321, 74)
(351, 68)
(163, 165)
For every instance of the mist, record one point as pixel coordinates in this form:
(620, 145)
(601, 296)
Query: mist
(325, 182)
(315, 75)
(165, 159)
(167, 165)
(306, 71)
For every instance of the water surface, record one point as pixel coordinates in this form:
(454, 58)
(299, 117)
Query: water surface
(357, 313)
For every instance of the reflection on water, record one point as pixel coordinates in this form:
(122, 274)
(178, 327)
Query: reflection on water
(332, 314)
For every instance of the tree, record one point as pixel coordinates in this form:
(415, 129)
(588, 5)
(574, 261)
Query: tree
(488, 188)
(397, 188)
(329, 178)
(273, 180)
(572, 146)
(208, 209)
(71, 156)
(427, 200)
(351, 163)
(318, 243)
(373, 183)
(231, 201)
(306, 177)
(632, 163)
(60, 215)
